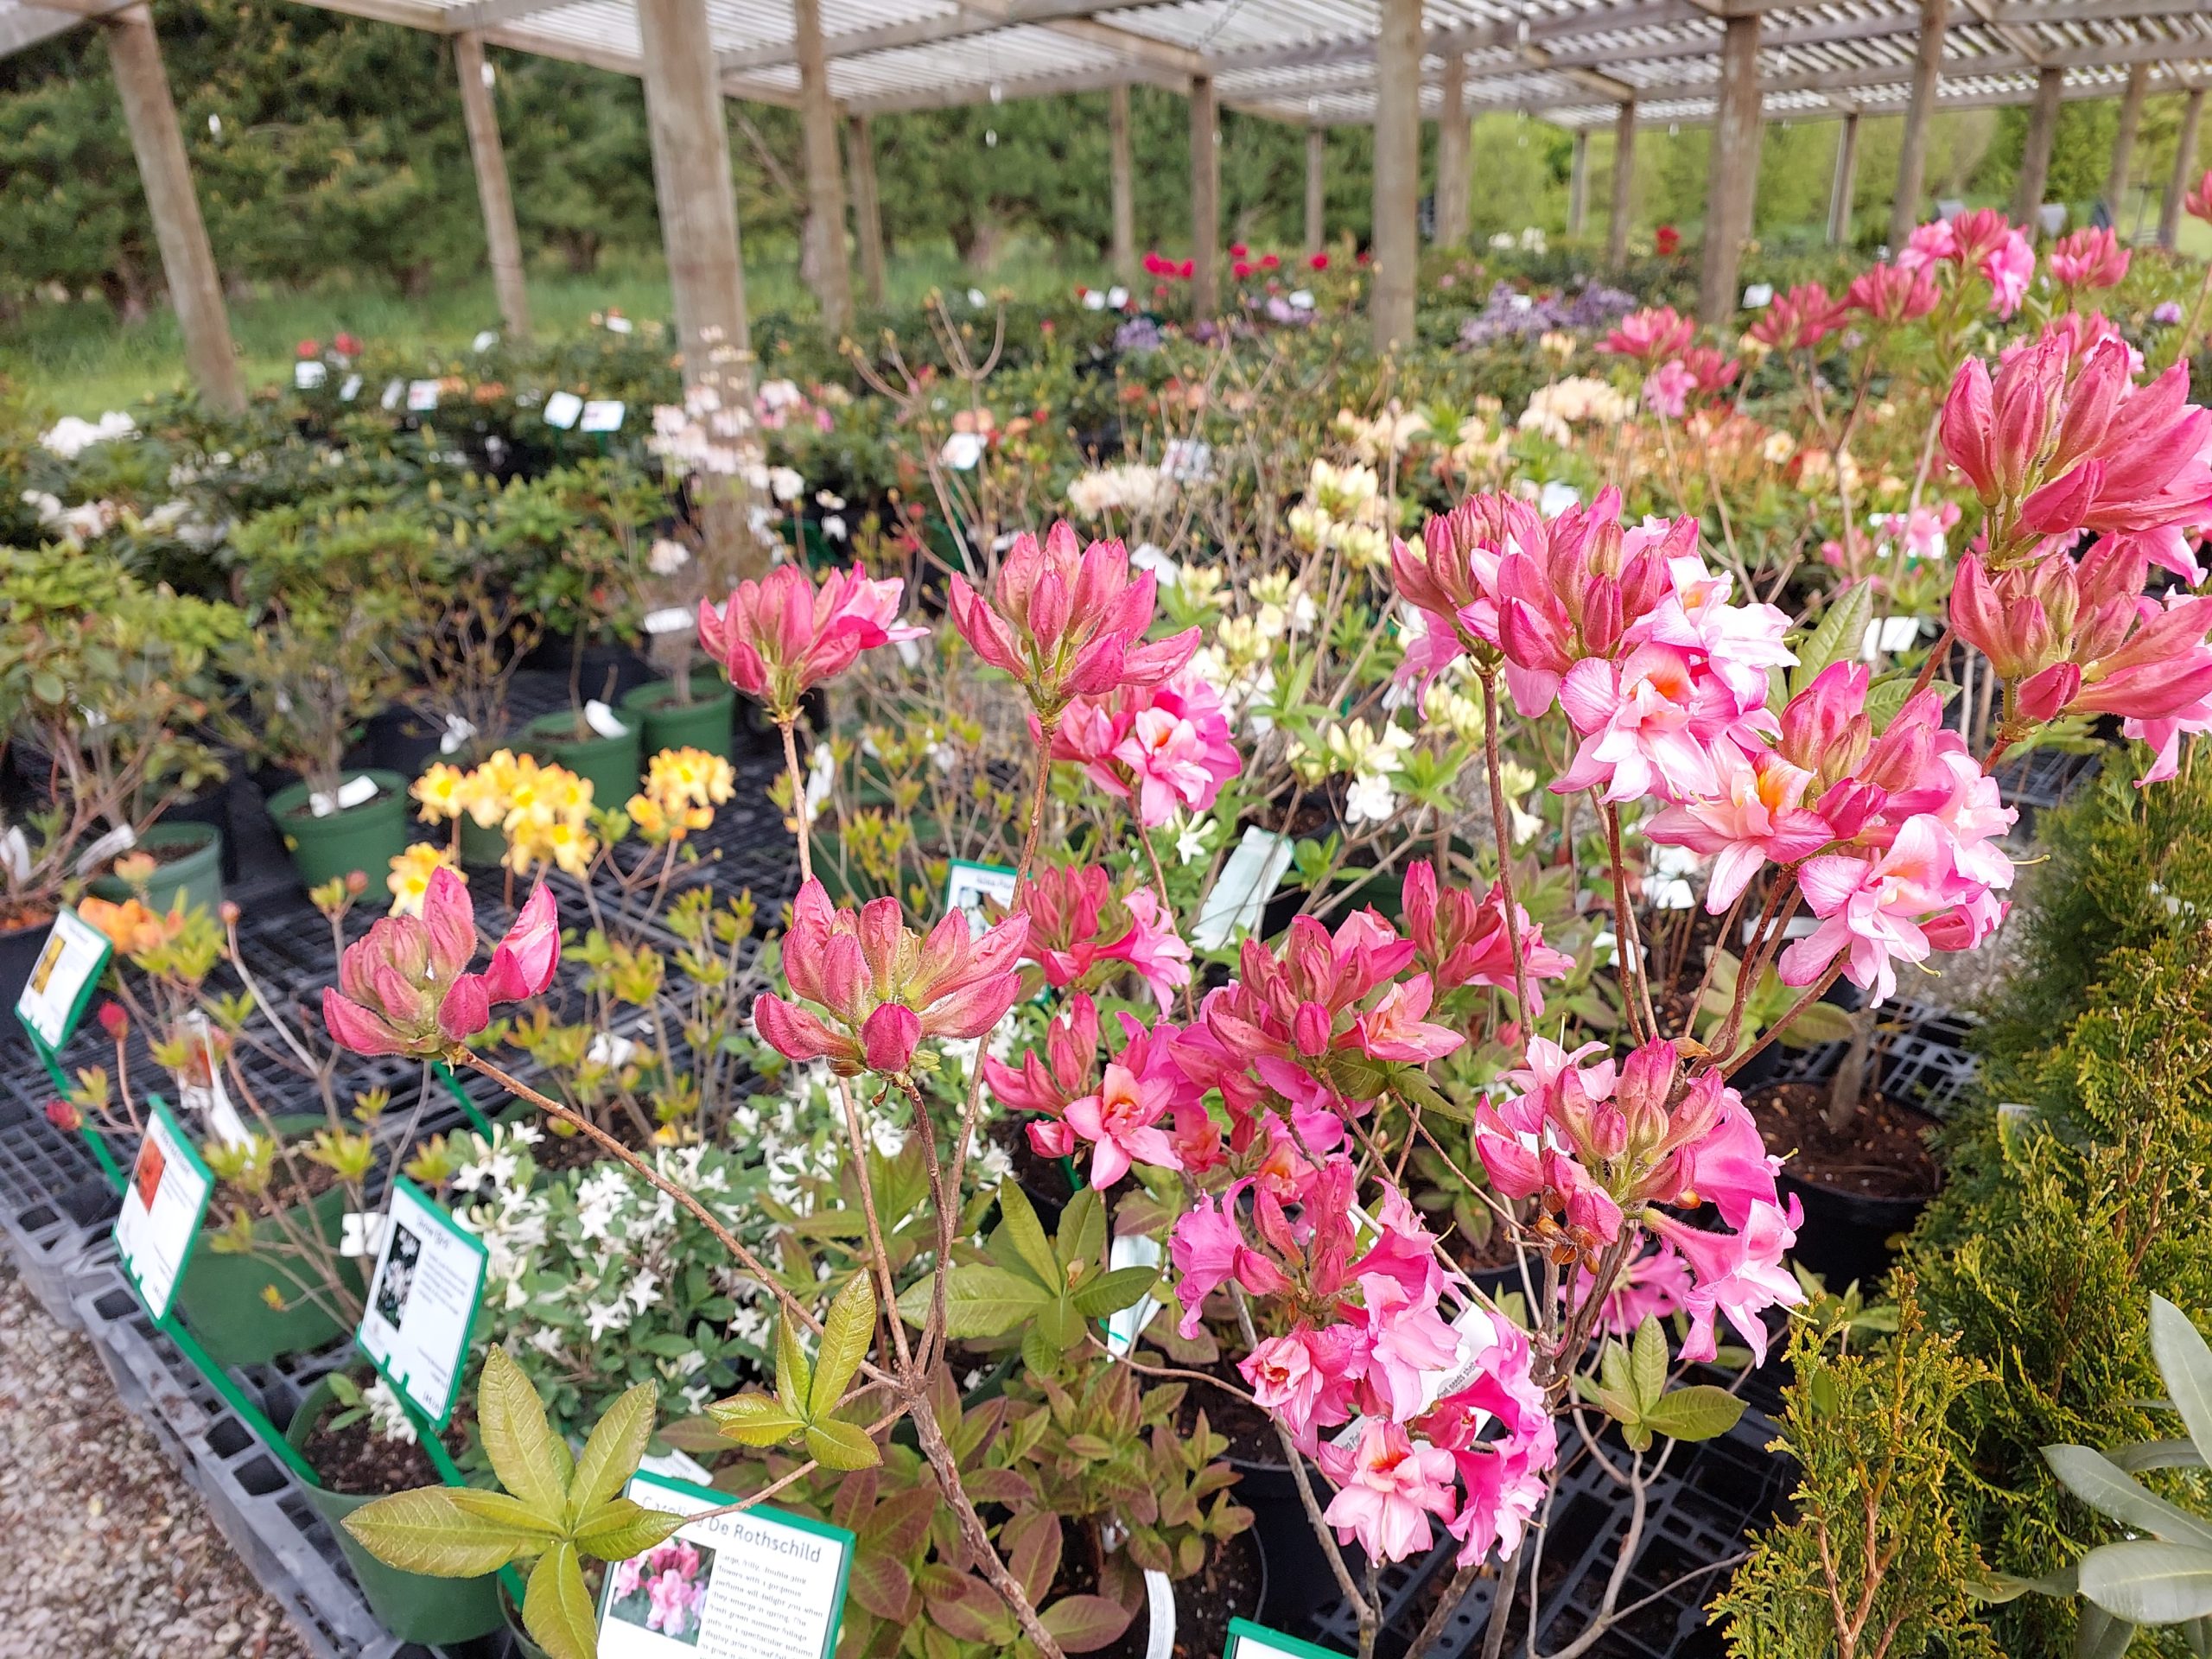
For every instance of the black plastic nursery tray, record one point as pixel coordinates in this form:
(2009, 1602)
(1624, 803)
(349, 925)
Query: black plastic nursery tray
(55, 1203)
(1920, 1057)
(253, 1499)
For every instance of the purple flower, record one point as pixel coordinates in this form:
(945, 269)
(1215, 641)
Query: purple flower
(2166, 312)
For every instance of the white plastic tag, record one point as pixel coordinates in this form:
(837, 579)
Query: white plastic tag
(361, 1232)
(562, 410)
(457, 733)
(308, 374)
(350, 389)
(393, 393)
(603, 720)
(422, 396)
(120, 839)
(1246, 883)
(601, 415)
(1160, 1602)
(671, 619)
(484, 340)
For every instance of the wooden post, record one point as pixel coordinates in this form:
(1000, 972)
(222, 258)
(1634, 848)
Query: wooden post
(1317, 144)
(2035, 154)
(1124, 168)
(1205, 198)
(187, 262)
(825, 184)
(1731, 181)
(867, 207)
(1912, 158)
(502, 241)
(1624, 203)
(2123, 141)
(691, 183)
(2185, 173)
(1578, 187)
(1392, 278)
(1452, 183)
(1845, 185)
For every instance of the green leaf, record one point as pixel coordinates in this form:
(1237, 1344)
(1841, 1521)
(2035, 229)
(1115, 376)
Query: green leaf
(1027, 1234)
(1998, 1588)
(1112, 1292)
(1649, 1362)
(425, 1531)
(2100, 1636)
(794, 1376)
(2147, 1582)
(2157, 1454)
(1083, 1230)
(611, 1455)
(502, 1510)
(557, 1608)
(979, 1301)
(527, 1455)
(1838, 635)
(1820, 1022)
(836, 1444)
(1694, 1414)
(2094, 1478)
(621, 1527)
(754, 1418)
(2185, 1361)
(845, 1336)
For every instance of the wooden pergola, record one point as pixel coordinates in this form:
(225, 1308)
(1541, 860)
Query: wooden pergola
(1584, 65)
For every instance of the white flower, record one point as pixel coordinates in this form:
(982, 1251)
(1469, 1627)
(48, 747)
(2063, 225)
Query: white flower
(644, 1291)
(962, 451)
(785, 485)
(387, 1415)
(667, 557)
(72, 434)
(1369, 800)
(599, 1317)
(1190, 842)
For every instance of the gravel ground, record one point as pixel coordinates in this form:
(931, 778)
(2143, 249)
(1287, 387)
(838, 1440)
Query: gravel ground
(104, 1552)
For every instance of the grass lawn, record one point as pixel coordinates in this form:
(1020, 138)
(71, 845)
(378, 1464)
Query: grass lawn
(76, 359)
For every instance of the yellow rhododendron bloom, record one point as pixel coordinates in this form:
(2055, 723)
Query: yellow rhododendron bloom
(411, 871)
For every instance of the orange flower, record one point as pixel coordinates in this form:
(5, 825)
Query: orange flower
(130, 926)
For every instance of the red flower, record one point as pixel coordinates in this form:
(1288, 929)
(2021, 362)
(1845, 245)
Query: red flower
(347, 346)
(307, 348)
(1666, 239)
(1318, 261)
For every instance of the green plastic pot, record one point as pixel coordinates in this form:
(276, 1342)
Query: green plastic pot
(705, 723)
(221, 1293)
(194, 875)
(611, 763)
(412, 1606)
(482, 848)
(366, 837)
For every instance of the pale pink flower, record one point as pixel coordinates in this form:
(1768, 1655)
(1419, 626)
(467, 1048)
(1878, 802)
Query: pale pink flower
(1395, 1029)
(1927, 245)
(1646, 721)
(1871, 909)
(1407, 1339)
(2010, 266)
(1756, 815)
(1153, 947)
(1209, 1251)
(1120, 1120)
(1388, 1486)
(1739, 1274)
(1168, 745)
(1667, 389)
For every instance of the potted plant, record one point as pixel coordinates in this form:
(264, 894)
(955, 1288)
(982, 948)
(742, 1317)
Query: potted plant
(692, 705)
(312, 676)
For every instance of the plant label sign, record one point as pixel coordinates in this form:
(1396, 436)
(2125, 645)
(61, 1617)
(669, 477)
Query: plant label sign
(966, 887)
(1250, 1640)
(562, 410)
(757, 1585)
(1240, 895)
(422, 1303)
(62, 979)
(162, 1208)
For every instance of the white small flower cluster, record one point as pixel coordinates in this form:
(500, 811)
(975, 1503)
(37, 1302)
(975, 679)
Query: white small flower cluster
(387, 1416)
(1129, 487)
(1555, 409)
(72, 435)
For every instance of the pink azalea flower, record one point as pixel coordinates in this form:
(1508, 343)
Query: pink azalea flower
(1645, 722)
(1208, 1252)
(2089, 257)
(1388, 1486)
(1731, 1169)
(1504, 1472)
(1667, 389)
(1872, 908)
(1653, 1285)
(1407, 1340)
(1167, 744)
(1152, 947)
(1739, 1274)
(402, 990)
(1928, 246)
(779, 637)
(1650, 335)
(1284, 1379)
(2010, 267)
(1395, 1029)
(1120, 1120)
(1451, 579)
(1756, 815)
(1462, 940)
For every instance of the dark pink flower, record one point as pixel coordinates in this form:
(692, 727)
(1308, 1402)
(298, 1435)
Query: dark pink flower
(780, 637)
(2089, 257)
(403, 990)
(1650, 336)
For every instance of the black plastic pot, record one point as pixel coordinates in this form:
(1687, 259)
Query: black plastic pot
(19, 948)
(399, 740)
(1846, 1235)
(1294, 1571)
(211, 807)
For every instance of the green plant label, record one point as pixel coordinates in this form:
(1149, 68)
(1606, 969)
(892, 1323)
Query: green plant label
(760, 1584)
(966, 887)
(163, 1204)
(422, 1302)
(62, 979)
(1250, 1640)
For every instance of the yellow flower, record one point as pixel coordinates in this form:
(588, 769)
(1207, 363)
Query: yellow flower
(439, 793)
(410, 875)
(645, 814)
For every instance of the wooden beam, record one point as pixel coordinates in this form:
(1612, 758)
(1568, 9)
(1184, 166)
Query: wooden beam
(1578, 187)
(2028, 12)
(1317, 145)
(26, 26)
(1912, 154)
(1452, 140)
(481, 14)
(188, 261)
(502, 239)
(867, 207)
(974, 17)
(828, 272)
(2035, 154)
(1623, 202)
(1733, 172)
(2185, 174)
(1844, 187)
(698, 204)
(1122, 186)
(1096, 78)
(2123, 141)
(1206, 199)
(1393, 277)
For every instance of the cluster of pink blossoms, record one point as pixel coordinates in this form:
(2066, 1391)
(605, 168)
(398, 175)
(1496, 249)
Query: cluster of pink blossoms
(1666, 682)
(2060, 444)
(1166, 746)
(779, 637)
(1983, 241)
(1076, 922)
